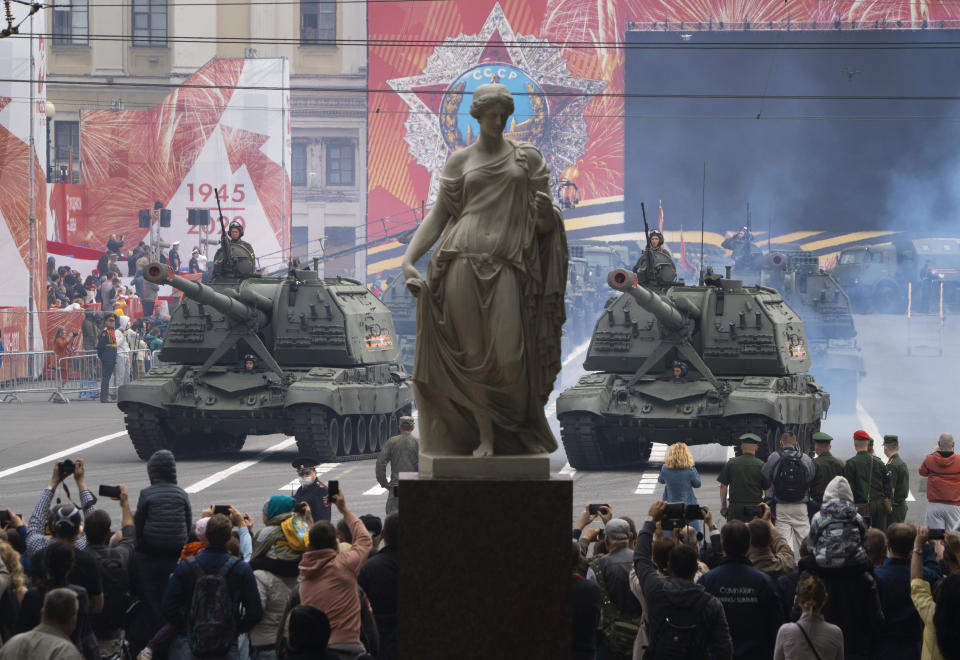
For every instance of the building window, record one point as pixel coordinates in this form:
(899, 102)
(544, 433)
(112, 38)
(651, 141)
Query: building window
(149, 22)
(299, 242)
(66, 147)
(298, 163)
(340, 163)
(318, 23)
(70, 25)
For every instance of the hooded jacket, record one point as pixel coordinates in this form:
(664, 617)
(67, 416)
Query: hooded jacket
(667, 597)
(329, 582)
(163, 515)
(943, 472)
(837, 531)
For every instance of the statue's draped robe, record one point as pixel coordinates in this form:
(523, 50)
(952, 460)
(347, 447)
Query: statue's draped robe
(489, 320)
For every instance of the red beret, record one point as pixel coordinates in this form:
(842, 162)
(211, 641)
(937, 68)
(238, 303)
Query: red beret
(861, 435)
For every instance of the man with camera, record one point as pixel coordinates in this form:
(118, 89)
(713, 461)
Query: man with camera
(66, 522)
(621, 609)
(790, 473)
(36, 540)
(742, 477)
(684, 619)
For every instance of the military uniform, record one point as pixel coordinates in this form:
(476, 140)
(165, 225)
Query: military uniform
(744, 477)
(107, 352)
(828, 466)
(402, 452)
(870, 484)
(313, 493)
(899, 482)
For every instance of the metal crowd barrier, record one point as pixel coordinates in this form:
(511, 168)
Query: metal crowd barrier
(27, 372)
(80, 374)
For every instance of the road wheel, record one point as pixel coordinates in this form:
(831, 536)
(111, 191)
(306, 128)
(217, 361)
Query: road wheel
(346, 437)
(314, 432)
(360, 444)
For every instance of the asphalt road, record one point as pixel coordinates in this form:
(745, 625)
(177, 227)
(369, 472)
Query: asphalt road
(908, 395)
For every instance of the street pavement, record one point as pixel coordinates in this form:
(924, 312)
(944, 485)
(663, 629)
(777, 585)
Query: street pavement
(908, 395)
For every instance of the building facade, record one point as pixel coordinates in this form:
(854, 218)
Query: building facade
(105, 54)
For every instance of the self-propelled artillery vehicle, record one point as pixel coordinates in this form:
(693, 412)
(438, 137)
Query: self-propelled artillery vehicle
(745, 357)
(323, 356)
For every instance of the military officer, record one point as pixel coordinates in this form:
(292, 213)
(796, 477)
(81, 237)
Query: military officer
(312, 490)
(869, 480)
(743, 477)
(899, 479)
(107, 352)
(402, 452)
(828, 466)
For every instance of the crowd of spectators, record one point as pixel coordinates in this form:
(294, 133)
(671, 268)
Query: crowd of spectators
(792, 568)
(165, 583)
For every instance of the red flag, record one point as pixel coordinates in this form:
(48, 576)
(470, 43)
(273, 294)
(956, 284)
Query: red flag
(660, 219)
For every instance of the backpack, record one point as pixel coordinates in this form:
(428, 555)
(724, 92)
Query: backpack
(619, 631)
(213, 627)
(677, 635)
(790, 481)
(839, 537)
(116, 593)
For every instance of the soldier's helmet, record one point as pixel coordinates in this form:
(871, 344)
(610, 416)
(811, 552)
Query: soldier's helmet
(658, 235)
(236, 224)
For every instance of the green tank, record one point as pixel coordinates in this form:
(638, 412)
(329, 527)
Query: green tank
(837, 360)
(325, 366)
(746, 355)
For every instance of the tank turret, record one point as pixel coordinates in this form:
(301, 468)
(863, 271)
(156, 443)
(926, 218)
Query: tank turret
(326, 367)
(744, 360)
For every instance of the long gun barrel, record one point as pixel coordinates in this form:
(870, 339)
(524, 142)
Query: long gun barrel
(626, 282)
(226, 304)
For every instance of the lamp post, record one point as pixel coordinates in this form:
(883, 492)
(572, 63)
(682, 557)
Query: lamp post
(51, 111)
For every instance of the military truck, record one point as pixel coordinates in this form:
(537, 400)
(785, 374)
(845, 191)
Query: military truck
(324, 364)
(747, 361)
(836, 358)
(876, 276)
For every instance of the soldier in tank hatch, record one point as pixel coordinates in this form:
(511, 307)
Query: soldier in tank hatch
(312, 490)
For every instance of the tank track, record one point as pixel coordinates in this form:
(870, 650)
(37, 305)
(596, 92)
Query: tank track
(591, 444)
(314, 424)
(145, 430)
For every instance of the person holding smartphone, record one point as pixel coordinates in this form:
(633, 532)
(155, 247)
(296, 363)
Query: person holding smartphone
(312, 491)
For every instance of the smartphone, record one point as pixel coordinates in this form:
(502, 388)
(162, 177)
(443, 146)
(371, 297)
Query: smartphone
(222, 508)
(333, 488)
(109, 491)
(4, 518)
(753, 511)
(935, 535)
(595, 508)
(396, 491)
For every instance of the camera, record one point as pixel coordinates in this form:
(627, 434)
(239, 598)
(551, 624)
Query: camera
(222, 508)
(595, 508)
(678, 514)
(752, 511)
(935, 535)
(66, 468)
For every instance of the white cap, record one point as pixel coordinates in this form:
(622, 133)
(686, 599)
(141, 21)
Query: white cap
(175, 243)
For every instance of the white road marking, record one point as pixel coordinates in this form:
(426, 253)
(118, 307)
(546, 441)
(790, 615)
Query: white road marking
(568, 469)
(910, 497)
(730, 452)
(376, 490)
(648, 483)
(239, 467)
(323, 468)
(62, 453)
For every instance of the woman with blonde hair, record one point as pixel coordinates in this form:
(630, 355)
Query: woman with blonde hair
(680, 477)
(811, 636)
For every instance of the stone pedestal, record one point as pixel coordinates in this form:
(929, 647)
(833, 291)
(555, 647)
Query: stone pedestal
(485, 568)
(517, 466)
